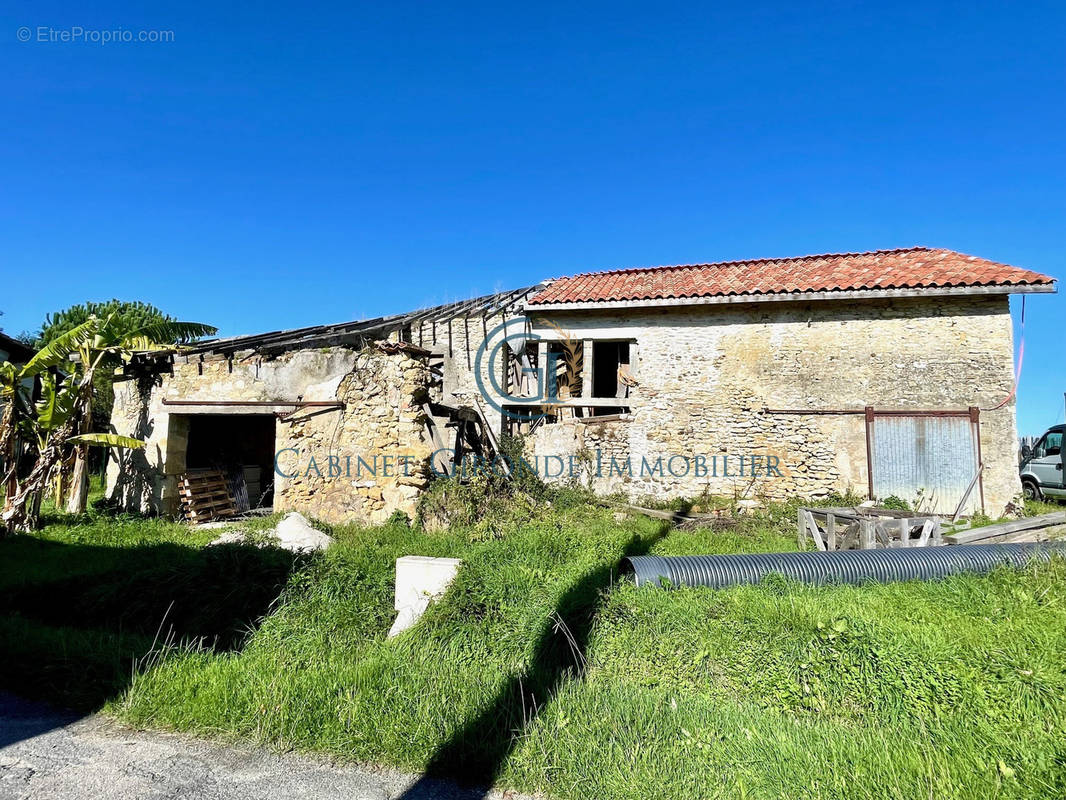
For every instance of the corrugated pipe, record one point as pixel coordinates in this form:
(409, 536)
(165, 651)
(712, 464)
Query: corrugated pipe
(841, 566)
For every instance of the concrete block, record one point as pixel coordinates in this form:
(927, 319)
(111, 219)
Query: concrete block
(419, 581)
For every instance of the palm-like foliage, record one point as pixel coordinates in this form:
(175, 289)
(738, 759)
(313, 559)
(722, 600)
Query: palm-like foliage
(64, 415)
(106, 440)
(97, 338)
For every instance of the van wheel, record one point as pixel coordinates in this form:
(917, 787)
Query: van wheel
(1031, 490)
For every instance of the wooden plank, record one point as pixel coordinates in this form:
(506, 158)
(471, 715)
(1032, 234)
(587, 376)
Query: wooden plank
(966, 494)
(904, 533)
(200, 486)
(816, 534)
(867, 534)
(209, 506)
(842, 513)
(831, 532)
(206, 493)
(208, 512)
(861, 512)
(991, 531)
(604, 418)
(440, 448)
(492, 435)
(203, 492)
(217, 502)
(194, 501)
(927, 532)
(1030, 535)
(209, 475)
(586, 367)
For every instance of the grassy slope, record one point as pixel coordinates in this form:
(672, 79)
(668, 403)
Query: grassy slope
(950, 689)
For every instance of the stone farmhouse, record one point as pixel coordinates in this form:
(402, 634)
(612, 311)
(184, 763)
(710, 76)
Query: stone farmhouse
(883, 373)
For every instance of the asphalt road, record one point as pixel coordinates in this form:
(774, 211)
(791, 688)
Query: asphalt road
(49, 754)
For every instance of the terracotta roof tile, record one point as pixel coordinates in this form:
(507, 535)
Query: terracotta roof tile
(910, 268)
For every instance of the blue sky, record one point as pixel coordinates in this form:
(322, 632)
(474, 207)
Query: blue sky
(280, 165)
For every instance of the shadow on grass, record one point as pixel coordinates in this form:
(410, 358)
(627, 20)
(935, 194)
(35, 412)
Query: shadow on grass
(76, 619)
(475, 754)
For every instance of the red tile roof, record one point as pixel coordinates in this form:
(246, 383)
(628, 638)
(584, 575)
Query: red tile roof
(909, 268)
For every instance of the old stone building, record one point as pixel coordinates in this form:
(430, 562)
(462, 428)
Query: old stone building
(336, 432)
(884, 373)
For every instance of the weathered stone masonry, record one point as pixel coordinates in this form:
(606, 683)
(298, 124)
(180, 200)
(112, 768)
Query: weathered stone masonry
(381, 421)
(707, 373)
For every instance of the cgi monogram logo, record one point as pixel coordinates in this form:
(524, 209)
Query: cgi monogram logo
(493, 359)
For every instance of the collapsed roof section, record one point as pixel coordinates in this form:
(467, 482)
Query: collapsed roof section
(359, 332)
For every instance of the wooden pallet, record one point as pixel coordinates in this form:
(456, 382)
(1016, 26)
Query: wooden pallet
(205, 496)
(867, 529)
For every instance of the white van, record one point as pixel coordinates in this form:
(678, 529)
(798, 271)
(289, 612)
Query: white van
(1041, 470)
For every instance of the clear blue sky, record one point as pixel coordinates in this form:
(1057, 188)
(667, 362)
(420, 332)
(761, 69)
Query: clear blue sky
(285, 165)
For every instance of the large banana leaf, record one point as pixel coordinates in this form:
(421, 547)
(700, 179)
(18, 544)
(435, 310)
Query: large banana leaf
(57, 351)
(56, 403)
(163, 333)
(106, 440)
(141, 344)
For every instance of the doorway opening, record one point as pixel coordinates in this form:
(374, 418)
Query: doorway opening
(241, 446)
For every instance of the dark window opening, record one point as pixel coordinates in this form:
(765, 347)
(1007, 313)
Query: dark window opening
(611, 370)
(241, 445)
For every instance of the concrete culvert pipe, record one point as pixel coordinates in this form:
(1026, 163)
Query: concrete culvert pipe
(844, 566)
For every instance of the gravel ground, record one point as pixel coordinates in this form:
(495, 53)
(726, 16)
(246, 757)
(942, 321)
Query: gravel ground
(49, 754)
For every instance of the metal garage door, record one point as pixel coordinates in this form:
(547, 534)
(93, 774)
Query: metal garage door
(932, 454)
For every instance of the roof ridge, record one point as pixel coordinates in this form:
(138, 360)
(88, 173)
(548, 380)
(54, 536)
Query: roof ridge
(629, 270)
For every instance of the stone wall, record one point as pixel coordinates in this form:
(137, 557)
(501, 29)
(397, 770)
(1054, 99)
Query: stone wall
(377, 438)
(707, 373)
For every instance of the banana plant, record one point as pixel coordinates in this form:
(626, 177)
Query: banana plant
(12, 411)
(53, 409)
(82, 350)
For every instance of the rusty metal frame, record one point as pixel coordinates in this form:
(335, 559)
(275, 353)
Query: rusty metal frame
(903, 412)
(869, 414)
(168, 402)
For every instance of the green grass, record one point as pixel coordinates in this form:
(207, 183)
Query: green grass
(541, 671)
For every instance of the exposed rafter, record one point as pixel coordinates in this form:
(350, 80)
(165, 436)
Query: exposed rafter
(358, 332)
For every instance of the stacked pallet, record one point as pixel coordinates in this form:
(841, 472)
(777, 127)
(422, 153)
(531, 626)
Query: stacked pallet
(862, 528)
(205, 496)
